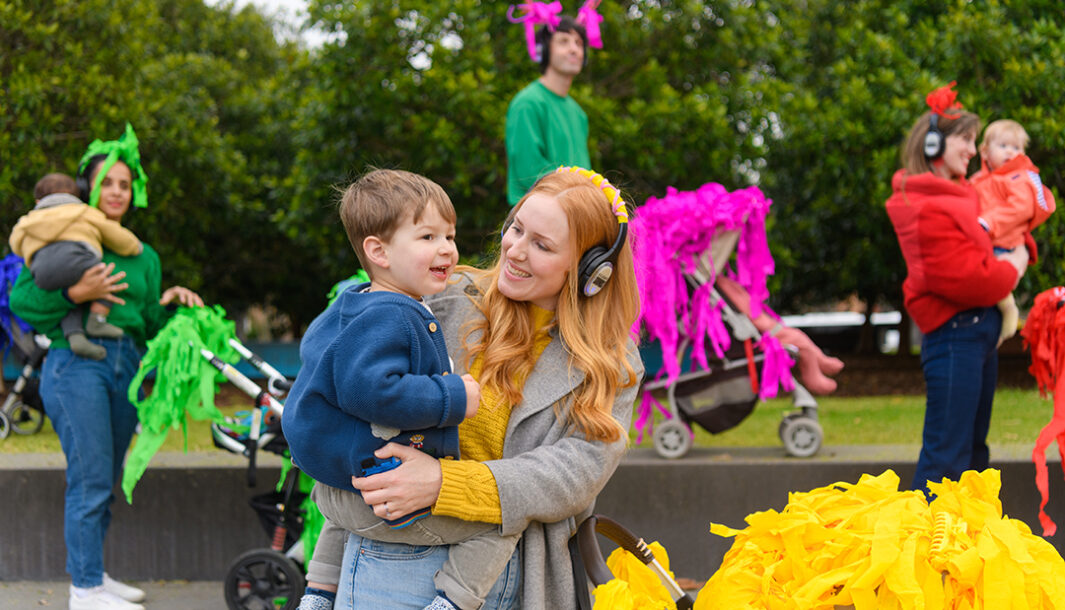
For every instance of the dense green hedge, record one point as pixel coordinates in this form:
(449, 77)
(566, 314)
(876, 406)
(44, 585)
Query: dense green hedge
(246, 139)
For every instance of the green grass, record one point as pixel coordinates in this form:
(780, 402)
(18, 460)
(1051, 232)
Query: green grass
(46, 440)
(1018, 417)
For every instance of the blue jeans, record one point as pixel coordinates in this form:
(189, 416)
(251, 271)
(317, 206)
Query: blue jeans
(386, 575)
(960, 362)
(86, 401)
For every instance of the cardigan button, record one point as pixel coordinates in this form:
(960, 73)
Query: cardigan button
(444, 373)
(432, 327)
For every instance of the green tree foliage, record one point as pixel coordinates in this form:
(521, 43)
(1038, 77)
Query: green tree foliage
(247, 140)
(208, 93)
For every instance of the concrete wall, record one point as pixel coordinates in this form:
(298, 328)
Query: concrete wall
(191, 517)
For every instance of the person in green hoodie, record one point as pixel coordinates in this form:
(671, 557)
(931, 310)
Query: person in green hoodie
(86, 399)
(545, 127)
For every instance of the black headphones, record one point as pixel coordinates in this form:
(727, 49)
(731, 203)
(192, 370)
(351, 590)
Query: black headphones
(543, 46)
(81, 180)
(933, 140)
(597, 264)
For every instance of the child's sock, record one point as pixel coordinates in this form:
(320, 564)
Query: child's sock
(441, 602)
(97, 325)
(81, 346)
(317, 599)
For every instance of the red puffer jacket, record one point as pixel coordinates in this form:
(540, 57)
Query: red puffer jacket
(949, 264)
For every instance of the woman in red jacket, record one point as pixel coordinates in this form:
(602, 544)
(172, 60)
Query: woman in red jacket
(953, 282)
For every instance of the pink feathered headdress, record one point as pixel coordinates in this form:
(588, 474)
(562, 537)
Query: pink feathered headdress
(543, 13)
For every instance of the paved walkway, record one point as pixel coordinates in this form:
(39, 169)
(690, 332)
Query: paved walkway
(162, 595)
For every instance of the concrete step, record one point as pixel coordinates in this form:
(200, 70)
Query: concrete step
(190, 517)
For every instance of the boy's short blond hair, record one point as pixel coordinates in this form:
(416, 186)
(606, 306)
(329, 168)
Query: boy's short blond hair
(381, 199)
(1003, 127)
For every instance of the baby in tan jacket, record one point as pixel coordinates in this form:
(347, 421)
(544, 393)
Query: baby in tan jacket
(60, 239)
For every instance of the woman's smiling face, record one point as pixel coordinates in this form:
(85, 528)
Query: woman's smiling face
(116, 190)
(537, 253)
(959, 149)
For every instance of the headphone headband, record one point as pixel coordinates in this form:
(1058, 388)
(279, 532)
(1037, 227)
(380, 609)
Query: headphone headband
(597, 264)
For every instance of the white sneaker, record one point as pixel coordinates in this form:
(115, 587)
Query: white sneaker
(97, 598)
(121, 589)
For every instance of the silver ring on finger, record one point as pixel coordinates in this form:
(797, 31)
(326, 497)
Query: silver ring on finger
(388, 513)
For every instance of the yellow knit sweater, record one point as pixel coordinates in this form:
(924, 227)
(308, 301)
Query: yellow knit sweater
(469, 490)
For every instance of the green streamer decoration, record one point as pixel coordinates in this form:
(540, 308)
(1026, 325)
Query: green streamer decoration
(185, 382)
(358, 277)
(125, 149)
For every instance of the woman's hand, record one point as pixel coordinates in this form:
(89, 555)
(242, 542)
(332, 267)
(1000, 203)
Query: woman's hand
(406, 488)
(98, 282)
(183, 295)
(1018, 257)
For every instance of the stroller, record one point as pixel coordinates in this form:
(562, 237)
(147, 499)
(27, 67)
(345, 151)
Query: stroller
(269, 577)
(723, 394)
(684, 245)
(22, 410)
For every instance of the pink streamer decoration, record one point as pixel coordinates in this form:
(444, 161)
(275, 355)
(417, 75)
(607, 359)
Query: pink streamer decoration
(776, 368)
(645, 420)
(590, 19)
(536, 13)
(668, 237)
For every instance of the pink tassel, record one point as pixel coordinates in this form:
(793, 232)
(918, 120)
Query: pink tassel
(536, 13)
(590, 19)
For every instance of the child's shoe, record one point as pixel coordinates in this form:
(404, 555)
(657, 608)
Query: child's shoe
(97, 598)
(441, 603)
(316, 599)
(81, 346)
(97, 326)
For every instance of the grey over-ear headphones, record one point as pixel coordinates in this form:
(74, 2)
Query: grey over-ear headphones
(933, 140)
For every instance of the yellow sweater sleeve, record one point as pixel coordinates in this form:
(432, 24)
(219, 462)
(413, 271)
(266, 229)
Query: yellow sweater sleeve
(469, 490)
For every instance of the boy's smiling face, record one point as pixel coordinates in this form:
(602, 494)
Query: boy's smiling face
(418, 259)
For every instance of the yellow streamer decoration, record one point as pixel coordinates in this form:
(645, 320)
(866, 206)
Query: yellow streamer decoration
(869, 546)
(634, 586)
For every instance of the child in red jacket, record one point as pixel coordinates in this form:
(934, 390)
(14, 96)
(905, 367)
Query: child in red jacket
(1013, 200)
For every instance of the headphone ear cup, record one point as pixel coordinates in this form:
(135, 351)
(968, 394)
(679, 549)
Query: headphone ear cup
(594, 270)
(82, 183)
(933, 144)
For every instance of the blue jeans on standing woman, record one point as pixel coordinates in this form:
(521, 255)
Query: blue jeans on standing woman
(87, 403)
(960, 362)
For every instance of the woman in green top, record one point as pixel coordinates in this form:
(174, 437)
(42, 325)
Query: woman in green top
(87, 399)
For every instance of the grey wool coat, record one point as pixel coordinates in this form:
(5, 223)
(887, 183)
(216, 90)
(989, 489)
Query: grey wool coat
(550, 475)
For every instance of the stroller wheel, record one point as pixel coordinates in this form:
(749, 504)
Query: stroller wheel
(263, 579)
(25, 419)
(672, 439)
(5, 426)
(801, 435)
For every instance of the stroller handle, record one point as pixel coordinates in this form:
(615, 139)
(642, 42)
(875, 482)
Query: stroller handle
(276, 383)
(596, 567)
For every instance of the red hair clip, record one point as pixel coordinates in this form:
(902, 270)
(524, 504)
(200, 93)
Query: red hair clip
(943, 100)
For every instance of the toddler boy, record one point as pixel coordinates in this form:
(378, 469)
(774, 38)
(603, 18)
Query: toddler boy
(376, 370)
(1013, 200)
(59, 239)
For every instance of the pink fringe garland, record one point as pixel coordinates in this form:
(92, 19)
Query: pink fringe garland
(668, 236)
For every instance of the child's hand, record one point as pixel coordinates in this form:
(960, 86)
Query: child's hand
(473, 395)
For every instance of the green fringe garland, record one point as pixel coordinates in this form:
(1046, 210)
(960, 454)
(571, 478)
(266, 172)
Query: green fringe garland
(185, 382)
